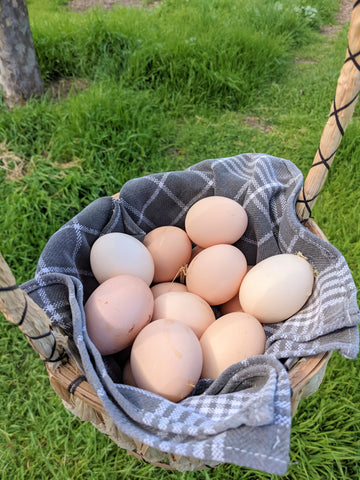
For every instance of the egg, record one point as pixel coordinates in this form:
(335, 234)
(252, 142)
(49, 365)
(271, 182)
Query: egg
(277, 287)
(170, 248)
(165, 287)
(116, 311)
(231, 339)
(119, 253)
(166, 359)
(233, 305)
(185, 307)
(216, 272)
(215, 220)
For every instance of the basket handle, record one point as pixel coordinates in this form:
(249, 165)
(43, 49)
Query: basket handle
(342, 108)
(19, 309)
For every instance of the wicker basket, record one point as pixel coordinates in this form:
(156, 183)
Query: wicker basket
(62, 363)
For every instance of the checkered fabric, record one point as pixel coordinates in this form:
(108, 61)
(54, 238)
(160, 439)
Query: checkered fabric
(243, 417)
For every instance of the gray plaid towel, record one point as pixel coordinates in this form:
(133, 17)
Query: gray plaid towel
(243, 417)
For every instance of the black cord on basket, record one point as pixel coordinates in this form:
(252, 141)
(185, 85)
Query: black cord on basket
(307, 204)
(323, 160)
(75, 383)
(62, 355)
(352, 57)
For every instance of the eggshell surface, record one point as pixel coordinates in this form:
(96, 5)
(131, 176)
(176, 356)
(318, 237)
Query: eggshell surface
(116, 311)
(118, 253)
(231, 339)
(165, 287)
(215, 220)
(166, 359)
(185, 307)
(233, 305)
(170, 248)
(215, 274)
(277, 287)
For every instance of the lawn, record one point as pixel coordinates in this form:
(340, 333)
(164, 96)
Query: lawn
(159, 87)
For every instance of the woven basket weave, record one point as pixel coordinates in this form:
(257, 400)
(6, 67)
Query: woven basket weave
(62, 363)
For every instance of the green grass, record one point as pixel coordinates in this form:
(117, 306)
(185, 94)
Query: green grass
(165, 88)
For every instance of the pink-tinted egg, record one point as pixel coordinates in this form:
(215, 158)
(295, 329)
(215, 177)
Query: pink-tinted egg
(231, 339)
(116, 311)
(166, 287)
(215, 220)
(215, 274)
(185, 307)
(166, 359)
(170, 248)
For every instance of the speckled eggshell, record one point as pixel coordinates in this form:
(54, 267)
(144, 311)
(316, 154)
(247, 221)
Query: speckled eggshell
(166, 359)
(214, 220)
(185, 307)
(277, 287)
(170, 248)
(215, 274)
(231, 339)
(116, 311)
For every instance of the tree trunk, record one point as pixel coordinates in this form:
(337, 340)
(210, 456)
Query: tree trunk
(20, 76)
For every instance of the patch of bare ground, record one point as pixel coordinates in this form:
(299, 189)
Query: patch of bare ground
(11, 163)
(82, 5)
(342, 17)
(258, 124)
(61, 88)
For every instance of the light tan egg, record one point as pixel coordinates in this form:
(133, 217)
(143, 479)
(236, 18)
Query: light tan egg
(215, 220)
(215, 274)
(120, 254)
(116, 311)
(166, 287)
(166, 359)
(231, 339)
(233, 305)
(185, 307)
(277, 287)
(170, 248)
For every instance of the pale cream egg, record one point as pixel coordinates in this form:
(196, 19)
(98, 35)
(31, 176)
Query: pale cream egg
(119, 253)
(277, 287)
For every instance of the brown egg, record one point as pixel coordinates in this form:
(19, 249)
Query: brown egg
(277, 287)
(166, 359)
(116, 311)
(215, 220)
(216, 273)
(165, 287)
(170, 248)
(185, 307)
(231, 339)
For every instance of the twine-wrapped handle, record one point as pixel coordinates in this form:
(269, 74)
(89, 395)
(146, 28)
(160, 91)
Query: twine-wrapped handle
(23, 312)
(341, 112)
